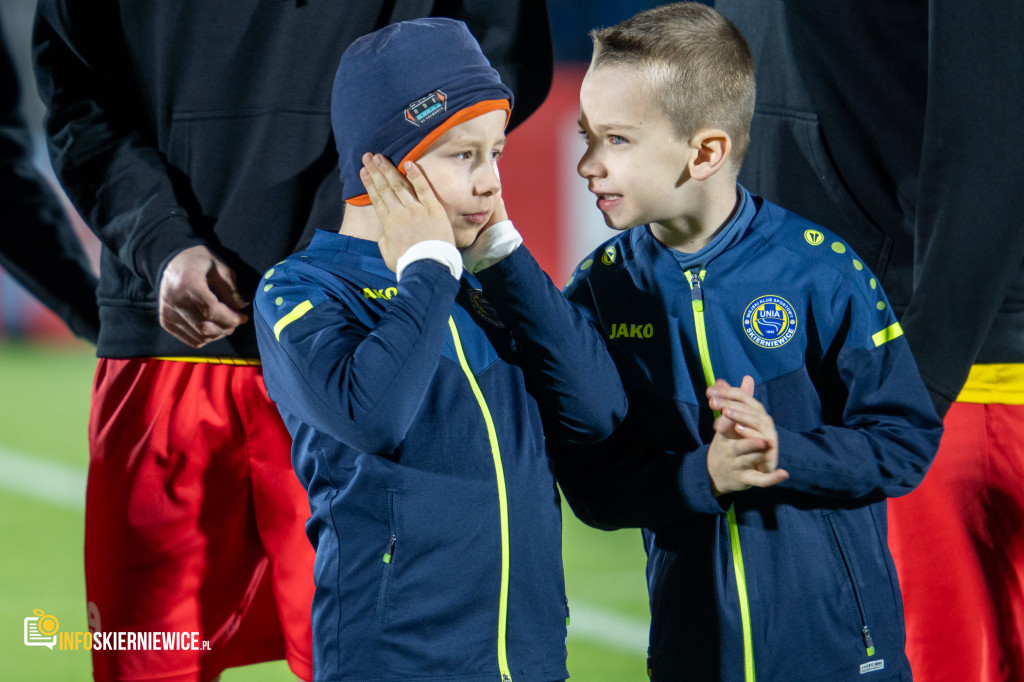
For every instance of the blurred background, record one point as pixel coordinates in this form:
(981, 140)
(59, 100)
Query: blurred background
(46, 375)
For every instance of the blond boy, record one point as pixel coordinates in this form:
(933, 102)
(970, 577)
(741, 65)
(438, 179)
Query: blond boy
(731, 319)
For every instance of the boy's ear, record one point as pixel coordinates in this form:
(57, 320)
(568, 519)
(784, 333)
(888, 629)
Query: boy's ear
(710, 151)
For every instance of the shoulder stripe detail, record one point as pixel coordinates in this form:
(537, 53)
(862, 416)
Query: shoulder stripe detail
(893, 331)
(995, 384)
(297, 312)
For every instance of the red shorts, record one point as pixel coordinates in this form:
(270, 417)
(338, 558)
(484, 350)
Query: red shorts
(958, 544)
(194, 521)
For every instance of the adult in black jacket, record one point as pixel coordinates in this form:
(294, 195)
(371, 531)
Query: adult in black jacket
(194, 138)
(897, 124)
(38, 246)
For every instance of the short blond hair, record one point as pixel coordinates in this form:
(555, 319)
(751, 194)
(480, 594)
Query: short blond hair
(694, 64)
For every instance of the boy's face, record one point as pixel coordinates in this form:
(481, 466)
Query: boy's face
(462, 167)
(634, 162)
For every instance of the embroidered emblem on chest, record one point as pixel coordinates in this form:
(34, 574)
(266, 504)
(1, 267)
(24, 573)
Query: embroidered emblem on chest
(481, 308)
(769, 321)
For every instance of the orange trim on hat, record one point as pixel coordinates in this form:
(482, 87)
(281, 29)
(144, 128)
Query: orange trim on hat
(460, 116)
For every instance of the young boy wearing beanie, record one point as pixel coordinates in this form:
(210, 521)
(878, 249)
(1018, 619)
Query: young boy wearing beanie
(419, 408)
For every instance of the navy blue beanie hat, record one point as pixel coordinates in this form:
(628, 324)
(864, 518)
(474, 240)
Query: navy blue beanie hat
(400, 88)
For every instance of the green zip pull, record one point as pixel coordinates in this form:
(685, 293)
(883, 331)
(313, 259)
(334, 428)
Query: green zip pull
(696, 290)
(869, 644)
(696, 279)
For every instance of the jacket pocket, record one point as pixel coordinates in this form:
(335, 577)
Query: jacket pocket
(845, 560)
(388, 557)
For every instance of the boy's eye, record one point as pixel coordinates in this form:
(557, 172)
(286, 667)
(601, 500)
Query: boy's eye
(583, 134)
(463, 156)
(496, 154)
(617, 139)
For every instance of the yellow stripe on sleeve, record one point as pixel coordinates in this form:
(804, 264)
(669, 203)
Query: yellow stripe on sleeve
(297, 312)
(893, 331)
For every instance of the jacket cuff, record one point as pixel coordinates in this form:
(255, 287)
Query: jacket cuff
(432, 249)
(492, 245)
(695, 483)
(148, 254)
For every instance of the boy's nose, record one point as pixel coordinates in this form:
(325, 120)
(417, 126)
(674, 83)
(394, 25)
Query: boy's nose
(488, 180)
(588, 165)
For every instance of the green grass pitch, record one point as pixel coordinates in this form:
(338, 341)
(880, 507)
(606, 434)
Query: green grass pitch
(44, 395)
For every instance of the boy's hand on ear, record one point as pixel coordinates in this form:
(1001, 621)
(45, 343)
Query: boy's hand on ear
(407, 208)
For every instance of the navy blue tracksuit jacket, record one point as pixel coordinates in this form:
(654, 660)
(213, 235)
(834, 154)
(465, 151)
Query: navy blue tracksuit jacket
(419, 412)
(793, 582)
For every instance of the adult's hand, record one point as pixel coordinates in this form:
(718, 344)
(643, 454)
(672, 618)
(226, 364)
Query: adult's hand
(199, 301)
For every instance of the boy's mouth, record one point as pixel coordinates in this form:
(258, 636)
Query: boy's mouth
(477, 218)
(608, 201)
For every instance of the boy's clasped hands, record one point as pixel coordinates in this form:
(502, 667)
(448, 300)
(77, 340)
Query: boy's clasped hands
(744, 452)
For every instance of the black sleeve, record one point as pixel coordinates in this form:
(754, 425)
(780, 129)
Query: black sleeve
(969, 243)
(103, 151)
(38, 245)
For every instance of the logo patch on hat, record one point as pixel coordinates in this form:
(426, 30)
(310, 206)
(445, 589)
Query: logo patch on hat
(426, 108)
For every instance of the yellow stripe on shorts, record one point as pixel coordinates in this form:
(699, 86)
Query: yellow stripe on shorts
(247, 362)
(994, 384)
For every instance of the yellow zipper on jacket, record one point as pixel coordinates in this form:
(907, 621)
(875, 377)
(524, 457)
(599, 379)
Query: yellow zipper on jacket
(499, 471)
(696, 280)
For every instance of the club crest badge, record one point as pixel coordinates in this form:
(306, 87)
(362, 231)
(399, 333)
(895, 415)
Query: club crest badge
(426, 108)
(769, 321)
(483, 309)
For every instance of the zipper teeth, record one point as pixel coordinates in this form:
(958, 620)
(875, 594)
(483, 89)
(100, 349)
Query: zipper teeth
(697, 292)
(499, 471)
(848, 567)
(695, 279)
(869, 644)
(705, 354)
(741, 589)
